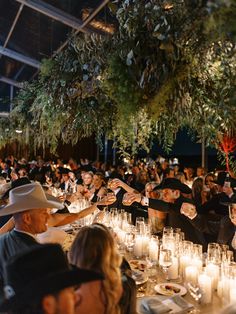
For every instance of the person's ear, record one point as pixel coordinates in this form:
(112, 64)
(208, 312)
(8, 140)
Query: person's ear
(26, 217)
(49, 304)
(177, 194)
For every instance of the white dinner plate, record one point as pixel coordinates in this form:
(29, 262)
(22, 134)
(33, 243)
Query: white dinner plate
(169, 289)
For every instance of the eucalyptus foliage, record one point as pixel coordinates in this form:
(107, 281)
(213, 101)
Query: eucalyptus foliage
(170, 64)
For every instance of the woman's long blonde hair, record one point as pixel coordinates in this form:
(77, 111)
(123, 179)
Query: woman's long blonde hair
(94, 248)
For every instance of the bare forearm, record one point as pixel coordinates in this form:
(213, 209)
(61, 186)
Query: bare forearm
(57, 220)
(8, 226)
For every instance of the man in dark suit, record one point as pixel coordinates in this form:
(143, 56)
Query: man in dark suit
(225, 229)
(29, 206)
(172, 200)
(217, 204)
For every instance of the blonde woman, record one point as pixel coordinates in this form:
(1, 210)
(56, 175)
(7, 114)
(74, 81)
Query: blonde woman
(94, 248)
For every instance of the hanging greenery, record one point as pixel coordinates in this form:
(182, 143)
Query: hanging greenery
(170, 64)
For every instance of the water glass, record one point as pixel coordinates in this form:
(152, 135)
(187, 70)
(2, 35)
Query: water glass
(165, 260)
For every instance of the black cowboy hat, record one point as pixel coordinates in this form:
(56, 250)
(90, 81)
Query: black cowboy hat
(220, 180)
(173, 184)
(39, 271)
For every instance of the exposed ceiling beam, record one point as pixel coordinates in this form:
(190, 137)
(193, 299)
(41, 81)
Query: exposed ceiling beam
(86, 22)
(19, 57)
(13, 25)
(4, 114)
(55, 14)
(11, 82)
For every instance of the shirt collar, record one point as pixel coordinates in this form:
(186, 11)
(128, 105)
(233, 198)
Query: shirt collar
(30, 234)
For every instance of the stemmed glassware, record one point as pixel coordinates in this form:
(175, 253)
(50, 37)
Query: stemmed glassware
(129, 241)
(165, 260)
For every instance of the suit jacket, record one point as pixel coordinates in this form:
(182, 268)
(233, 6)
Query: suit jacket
(216, 204)
(176, 220)
(11, 243)
(224, 228)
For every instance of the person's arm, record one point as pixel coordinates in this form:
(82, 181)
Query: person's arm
(160, 205)
(200, 222)
(57, 220)
(8, 226)
(117, 183)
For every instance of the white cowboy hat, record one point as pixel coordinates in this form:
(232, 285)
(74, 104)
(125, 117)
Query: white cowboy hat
(28, 196)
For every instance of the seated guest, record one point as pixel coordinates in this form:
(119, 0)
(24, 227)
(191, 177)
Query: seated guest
(141, 180)
(198, 194)
(225, 195)
(66, 184)
(225, 229)
(172, 200)
(209, 182)
(99, 187)
(54, 219)
(94, 248)
(29, 206)
(86, 185)
(39, 280)
(156, 218)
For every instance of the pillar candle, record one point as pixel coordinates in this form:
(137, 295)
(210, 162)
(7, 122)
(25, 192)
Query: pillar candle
(184, 261)
(204, 282)
(213, 271)
(145, 245)
(173, 270)
(153, 250)
(232, 295)
(197, 263)
(191, 273)
(138, 246)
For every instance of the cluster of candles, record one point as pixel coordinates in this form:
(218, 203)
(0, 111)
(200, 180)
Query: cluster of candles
(212, 271)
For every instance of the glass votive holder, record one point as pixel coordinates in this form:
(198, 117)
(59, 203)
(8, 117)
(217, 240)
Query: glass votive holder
(205, 284)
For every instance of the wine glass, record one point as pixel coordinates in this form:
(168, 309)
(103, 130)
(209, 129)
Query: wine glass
(129, 241)
(165, 260)
(140, 225)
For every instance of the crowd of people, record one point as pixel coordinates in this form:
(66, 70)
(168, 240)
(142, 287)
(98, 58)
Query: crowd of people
(38, 278)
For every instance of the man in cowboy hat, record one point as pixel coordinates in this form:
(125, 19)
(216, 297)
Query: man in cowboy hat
(29, 206)
(40, 280)
(171, 202)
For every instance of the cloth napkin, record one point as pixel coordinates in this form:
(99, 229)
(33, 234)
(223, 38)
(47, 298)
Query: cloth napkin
(153, 306)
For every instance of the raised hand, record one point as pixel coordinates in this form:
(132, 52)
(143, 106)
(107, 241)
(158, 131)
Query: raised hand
(109, 199)
(188, 210)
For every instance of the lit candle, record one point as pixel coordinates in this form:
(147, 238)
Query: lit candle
(138, 246)
(213, 271)
(173, 270)
(145, 244)
(232, 295)
(204, 282)
(153, 250)
(197, 263)
(225, 282)
(191, 274)
(184, 261)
